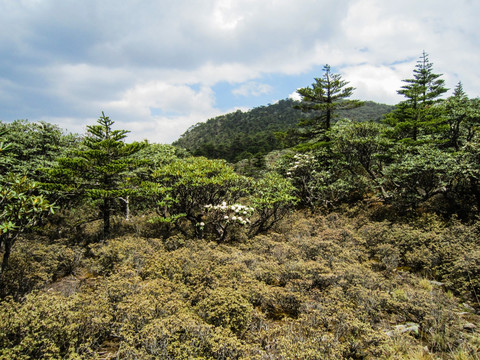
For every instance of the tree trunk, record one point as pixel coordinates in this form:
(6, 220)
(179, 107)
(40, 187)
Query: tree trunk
(6, 255)
(106, 218)
(127, 211)
(126, 200)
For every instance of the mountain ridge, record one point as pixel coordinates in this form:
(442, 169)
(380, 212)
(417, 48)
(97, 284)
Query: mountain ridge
(245, 134)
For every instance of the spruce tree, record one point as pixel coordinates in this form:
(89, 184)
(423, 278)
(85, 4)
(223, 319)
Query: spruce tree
(327, 95)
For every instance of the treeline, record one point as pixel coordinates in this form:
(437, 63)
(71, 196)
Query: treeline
(102, 173)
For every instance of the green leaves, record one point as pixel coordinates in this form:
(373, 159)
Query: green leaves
(20, 208)
(103, 134)
(418, 175)
(18, 198)
(460, 117)
(30, 148)
(272, 198)
(185, 186)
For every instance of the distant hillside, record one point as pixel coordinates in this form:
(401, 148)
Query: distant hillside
(240, 135)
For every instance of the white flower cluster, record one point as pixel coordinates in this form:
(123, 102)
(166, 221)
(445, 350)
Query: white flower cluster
(300, 161)
(233, 213)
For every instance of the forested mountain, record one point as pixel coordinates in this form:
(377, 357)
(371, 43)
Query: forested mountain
(240, 135)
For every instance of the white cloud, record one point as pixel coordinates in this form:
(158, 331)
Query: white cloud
(160, 111)
(295, 96)
(157, 94)
(225, 16)
(252, 88)
(153, 66)
(377, 83)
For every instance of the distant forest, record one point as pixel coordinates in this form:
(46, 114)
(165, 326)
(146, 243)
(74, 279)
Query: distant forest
(254, 133)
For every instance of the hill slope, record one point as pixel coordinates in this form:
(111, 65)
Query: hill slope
(239, 135)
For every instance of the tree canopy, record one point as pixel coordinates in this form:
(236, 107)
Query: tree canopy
(413, 119)
(325, 98)
(100, 168)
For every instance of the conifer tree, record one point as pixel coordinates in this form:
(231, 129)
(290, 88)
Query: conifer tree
(461, 116)
(421, 92)
(100, 168)
(327, 95)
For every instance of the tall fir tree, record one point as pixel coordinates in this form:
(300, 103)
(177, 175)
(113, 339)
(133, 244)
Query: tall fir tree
(323, 99)
(100, 169)
(412, 118)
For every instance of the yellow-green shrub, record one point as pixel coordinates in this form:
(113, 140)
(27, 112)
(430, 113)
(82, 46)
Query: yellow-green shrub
(227, 308)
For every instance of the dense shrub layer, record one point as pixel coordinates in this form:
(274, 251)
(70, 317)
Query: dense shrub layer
(323, 287)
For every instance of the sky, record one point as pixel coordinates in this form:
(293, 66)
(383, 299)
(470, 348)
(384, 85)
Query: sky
(157, 67)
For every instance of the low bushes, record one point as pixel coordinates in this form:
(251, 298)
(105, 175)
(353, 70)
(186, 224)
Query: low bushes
(326, 287)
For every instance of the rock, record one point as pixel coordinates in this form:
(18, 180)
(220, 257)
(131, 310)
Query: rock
(469, 327)
(468, 307)
(404, 328)
(408, 327)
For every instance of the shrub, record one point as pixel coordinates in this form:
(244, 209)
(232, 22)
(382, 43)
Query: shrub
(224, 219)
(37, 263)
(184, 186)
(322, 180)
(227, 308)
(51, 326)
(272, 199)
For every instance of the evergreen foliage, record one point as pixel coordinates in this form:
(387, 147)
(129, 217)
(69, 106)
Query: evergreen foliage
(413, 119)
(273, 197)
(183, 187)
(461, 117)
(99, 169)
(20, 208)
(325, 98)
(33, 148)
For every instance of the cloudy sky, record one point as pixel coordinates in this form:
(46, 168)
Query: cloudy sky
(156, 67)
